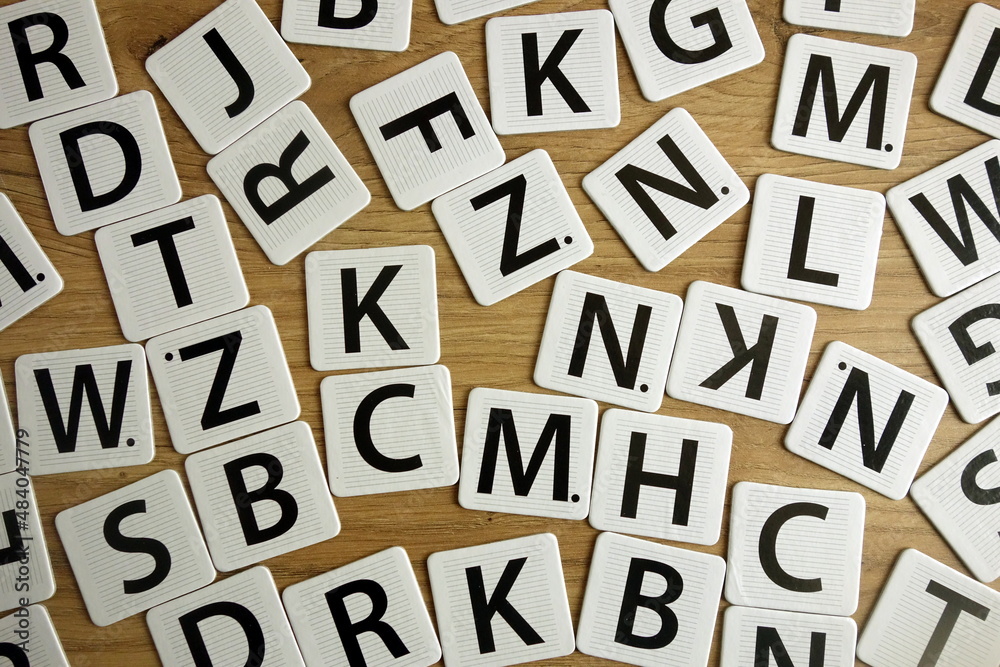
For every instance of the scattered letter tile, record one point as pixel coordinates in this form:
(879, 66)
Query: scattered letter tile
(8, 437)
(27, 277)
(752, 636)
(887, 17)
(456, 11)
(23, 545)
(383, 25)
(30, 639)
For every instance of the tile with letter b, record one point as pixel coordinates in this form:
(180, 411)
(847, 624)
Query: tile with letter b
(8, 436)
(23, 545)
(456, 11)
(30, 639)
(889, 17)
(27, 277)
(753, 636)
(382, 25)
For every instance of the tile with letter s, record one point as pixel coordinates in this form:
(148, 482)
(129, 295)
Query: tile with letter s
(27, 277)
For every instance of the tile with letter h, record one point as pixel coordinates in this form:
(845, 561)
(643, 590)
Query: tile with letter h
(62, 60)
(866, 419)
(8, 436)
(889, 17)
(288, 182)
(813, 242)
(389, 430)
(372, 307)
(29, 639)
(650, 604)
(547, 443)
(844, 101)
(113, 427)
(110, 540)
(427, 131)
(752, 636)
(26, 575)
(795, 549)
(660, 476)
(222, 379)
(382, 25)
(104, 163)
(456, 11)
(227, 73)
(930, 614)
(761, 379)
(170, 268)
(666, 189)
(262, 496)
(27, 277)
(200, 627)
(369, 612)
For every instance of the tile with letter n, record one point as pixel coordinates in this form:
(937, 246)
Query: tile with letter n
(512, 227)
(222, 379)
(866, 419)
(227, 73)
(666, 189)
(528, 453)
(28, 639)
(456, 11)
(795, 549)
(25, 569)
(844, 101)
(889, 17)
(930, 614)
(85, 409)
(502, 603)
(382, 25)
(650, 604)
(741, 352)
(369, 612)
(8, 437)
(27, 277)
(262, 496)
(764, 637)
(814, 242)
(389, 430)
(135, 548)
(372, 307)
(427, 131)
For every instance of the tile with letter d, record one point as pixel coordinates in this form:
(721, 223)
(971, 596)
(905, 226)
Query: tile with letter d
(650, 604)
(135, 548)
(522, 577)
(814, 242)
(456, 11)
(608, 341)
(8, 436)
(753, 636)
(27, 277)
(288, 182)
(30, 640)
(26, 575)
(383, 25)
(930, 614)
(889, 17)
(113, 427)
(227, 73)
(512, 228)
(873, 86)
(104, 163)
(666, 189)
(335, 615)
(426, 130)
(222, 379)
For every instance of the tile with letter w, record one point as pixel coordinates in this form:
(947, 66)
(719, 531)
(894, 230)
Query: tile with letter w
(26, 575)
(30, 639)
(383, 25)
(27, 277)
(887, 17)
(752, 636)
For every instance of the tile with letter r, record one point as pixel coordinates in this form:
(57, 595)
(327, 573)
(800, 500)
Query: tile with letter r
(29, 639)
(27, 277)
(226, 73)
(889, 17)
(382, 25)
(753, 636)
(456, 11)
(666, 189)
(8, 436)
(26, 575)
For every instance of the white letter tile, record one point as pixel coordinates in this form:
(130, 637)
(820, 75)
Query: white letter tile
(752, 636)
(30, 637)
(23, 545)
(27, 277)
(887, 17)
(456, 11)
(382, 25)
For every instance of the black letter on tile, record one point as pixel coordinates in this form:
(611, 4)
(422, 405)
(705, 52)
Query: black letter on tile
(483, 610)
(28, 61)
(214, 415)
(955, 604)
(164, 238)
(501, 423)
(137, 545)
(797, 269)
(974, 353)
(510, 259)
(984, 74)
(832, 6)
(235, 69)
(363, 430)
(254, 633)
(636, 477)
(14, 653)
(84, 382)
(14, 551)
(296, 192)
(22, 277)
(349, 630)
(365, 15)
(759, 354)
(767, 545)
(595, 307)
(769, 643)
(355, 310)
(971, 488)
(78, 170)
(421, 119)
(671, 49)
(535, 75)
(633, 598)
(245, 499)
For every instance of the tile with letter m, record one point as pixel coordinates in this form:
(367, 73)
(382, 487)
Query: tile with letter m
(382, 25)
(753, 636)
(27, 277)
(26, 575)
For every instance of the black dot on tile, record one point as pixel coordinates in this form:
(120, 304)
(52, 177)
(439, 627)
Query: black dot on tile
(644, 388)
(168, 356)
(130, 442)
(568, 240)
(888, 148)
(575, 498)
(40, 277)
(725, 191)
(842, 366)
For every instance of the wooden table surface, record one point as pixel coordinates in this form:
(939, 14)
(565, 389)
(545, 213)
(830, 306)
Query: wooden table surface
(495, 346)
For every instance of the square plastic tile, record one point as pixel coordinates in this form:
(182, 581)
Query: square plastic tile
(752, 636)
(383, 25)
(27, 277)
(8, 437)
(30, 639)
(456, 11)
(890, 17)
(24, 542)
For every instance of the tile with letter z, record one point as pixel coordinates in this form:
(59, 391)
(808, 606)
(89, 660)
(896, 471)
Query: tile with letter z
(27, 277)
(456, 11)
(26, 575)
(888, 17)
(752, 636)
(30, 639)
(382, 25)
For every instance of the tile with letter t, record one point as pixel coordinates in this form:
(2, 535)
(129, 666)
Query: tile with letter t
(666, 189)
(222, 379)
(383, 25)
(26, 575)
(113, 427)
(262, 496)
(795, 549)
(741, 352)
(753, 636)
(8, 436)
(889, 17)
(872, 87)
(29, 639)
(135, 548)
(288, 182)
(426, 130)
(104, 163)
(650, 604)
(512, 228)
(369, 612)
(227, 73)
(456, 11)
(930, 614)
(660, 476)
(502, 603)
(27, 277)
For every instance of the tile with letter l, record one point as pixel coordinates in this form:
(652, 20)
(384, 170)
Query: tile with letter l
(104, 163)
(109, 541)
(288, 182)
(222, 379)
(753, 636)
(456, 11)
(512, 228)
(930, 614)
(524, 577)
(8, 437)
(170, 268)
(608, 341)
(382, 25)
(678, 591)
(262, 496)
(227, 73)
(426, 130)
(27, 277)
(666, 189)
(741, 352)
(889, 17)
(111, 429)
(818, 69)
(31, 640)
(24, 545)
(333, 613)
(813, 241)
